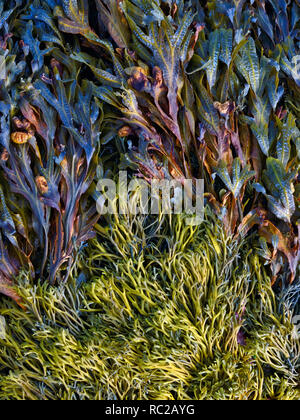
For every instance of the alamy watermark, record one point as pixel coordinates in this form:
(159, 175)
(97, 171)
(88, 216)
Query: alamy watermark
(2, 328)
(164, 196)
(296, 322)
(2, 68)
(296, 67)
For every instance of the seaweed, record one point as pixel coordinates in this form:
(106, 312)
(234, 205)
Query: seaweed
(185, 316)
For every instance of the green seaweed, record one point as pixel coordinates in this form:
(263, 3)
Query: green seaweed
(187, 315)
